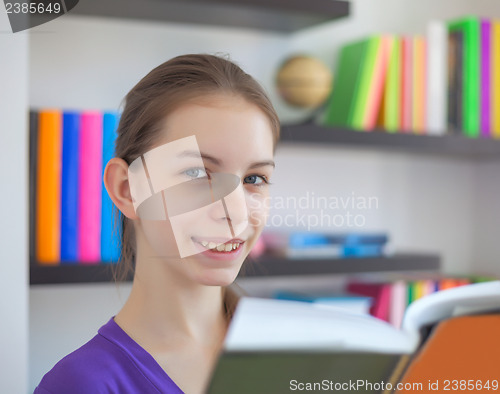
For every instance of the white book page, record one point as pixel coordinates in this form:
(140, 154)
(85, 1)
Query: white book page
(268, 324)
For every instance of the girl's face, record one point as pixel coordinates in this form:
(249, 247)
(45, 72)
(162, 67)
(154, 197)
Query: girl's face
(234, 137)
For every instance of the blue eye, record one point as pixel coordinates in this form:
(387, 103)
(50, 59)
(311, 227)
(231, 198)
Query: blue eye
(196, 173)
(255, 180)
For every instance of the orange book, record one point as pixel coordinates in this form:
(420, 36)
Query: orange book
(419, 85)
(48, 194)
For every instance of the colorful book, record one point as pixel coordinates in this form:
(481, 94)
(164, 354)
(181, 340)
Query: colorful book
(419, 85)
(437, 70)
(495, 85)
(455, 82)
(369, 93)
(391, 120)
(485, 76)
(406, 84)
(48, 209)
(90, 187)
(398, 303)
(340, 108)
(470, 28)
(69, 188)
(110, 238)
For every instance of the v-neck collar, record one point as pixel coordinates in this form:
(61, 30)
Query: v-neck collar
(142, 359)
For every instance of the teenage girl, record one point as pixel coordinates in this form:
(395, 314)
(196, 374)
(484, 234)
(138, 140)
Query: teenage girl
(168, 335)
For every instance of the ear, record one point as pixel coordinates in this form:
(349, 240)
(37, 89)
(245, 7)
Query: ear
(117, 186)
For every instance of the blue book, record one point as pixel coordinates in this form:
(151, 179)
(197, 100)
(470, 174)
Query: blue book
(306, 239)
(110, 235)
(69, 188)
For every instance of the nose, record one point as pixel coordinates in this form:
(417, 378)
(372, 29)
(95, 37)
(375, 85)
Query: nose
(232, 208)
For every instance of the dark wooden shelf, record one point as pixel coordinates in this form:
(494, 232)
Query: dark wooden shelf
(444, 145)
(262, 267)
(274, 15)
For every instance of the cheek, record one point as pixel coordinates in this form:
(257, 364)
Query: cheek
(160, 237)
(258, 207)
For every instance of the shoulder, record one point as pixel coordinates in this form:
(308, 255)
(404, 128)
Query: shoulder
(86, 370)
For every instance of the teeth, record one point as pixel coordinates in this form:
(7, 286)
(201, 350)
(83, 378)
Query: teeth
(227, 247)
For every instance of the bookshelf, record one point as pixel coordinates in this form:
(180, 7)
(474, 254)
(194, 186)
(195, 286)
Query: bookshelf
(284, 16)
(452, 145)
(265, 266)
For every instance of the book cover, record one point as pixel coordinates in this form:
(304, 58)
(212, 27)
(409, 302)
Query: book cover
(357, 116)
(407, 84)
(89, 202)
(419, 85)
(471, 73)
(455, 82)
(398, 302)
(340, 106)
(69, 188)
(495, 86)
(486, 79)
(437, 77)
(376, 90)
(392, 90)
(110, 236)
(48, 208)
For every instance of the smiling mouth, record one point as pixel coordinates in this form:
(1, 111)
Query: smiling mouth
(226, 247)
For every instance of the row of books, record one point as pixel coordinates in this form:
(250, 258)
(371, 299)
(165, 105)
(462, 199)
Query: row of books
(390, 300)
(304, 245)
(387, 301)
(72, 216)
(446, 81)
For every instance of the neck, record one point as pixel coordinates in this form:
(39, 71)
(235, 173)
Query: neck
(165, 309)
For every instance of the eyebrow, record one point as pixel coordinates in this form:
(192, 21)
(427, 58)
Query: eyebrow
(217, 162)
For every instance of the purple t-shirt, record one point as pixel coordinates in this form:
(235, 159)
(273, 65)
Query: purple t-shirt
(111, 362)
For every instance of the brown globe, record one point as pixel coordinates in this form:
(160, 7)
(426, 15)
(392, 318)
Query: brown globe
(304, 81)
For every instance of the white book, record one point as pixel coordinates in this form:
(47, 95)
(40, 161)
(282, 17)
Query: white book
(437, 77)
(272, 346)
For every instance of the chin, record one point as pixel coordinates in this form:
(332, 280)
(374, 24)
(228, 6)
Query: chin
(217, 277)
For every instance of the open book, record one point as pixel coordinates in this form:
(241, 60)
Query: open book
(280, 346)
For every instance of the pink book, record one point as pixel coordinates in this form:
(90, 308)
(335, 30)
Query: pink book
(382, 303)
(485, 78)
(407, 94)
(399, 301)
(90, 189)
(374, 100)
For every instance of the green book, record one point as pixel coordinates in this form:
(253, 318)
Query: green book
(470, 28)
(341, 104)
(392, 102)
(366, 80)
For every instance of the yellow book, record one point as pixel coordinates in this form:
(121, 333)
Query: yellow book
(495, 69)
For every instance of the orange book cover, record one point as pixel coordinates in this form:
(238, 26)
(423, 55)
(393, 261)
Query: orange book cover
(419, 85)
(48, 223)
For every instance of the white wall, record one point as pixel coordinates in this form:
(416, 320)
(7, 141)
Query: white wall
(426, 202)
(13, 215)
